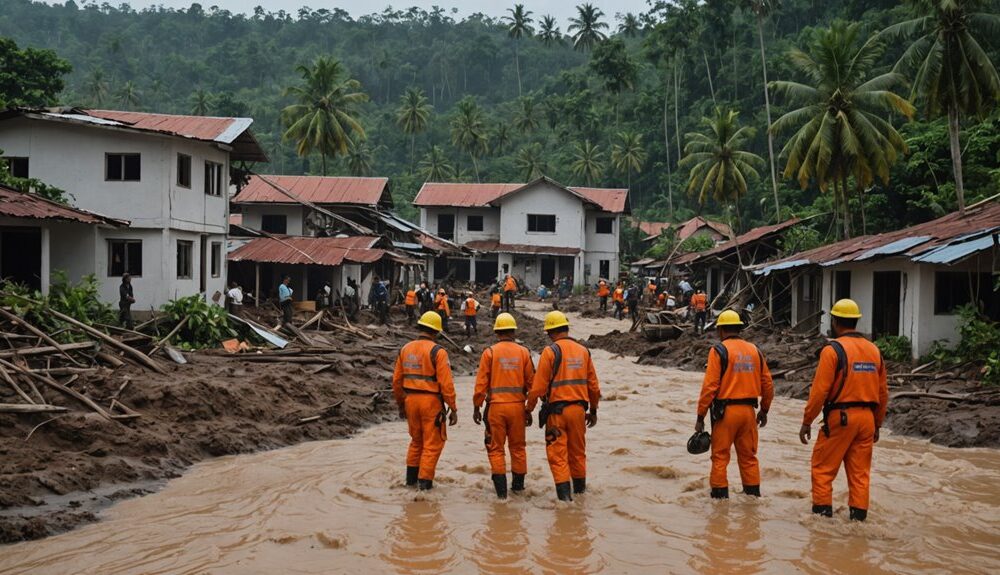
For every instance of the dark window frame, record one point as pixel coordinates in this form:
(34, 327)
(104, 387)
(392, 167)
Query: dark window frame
(468, 223)
(122, 167)
(536, 220)
(18, 166)
(952, 289)
(216, 168)
(185, 247)
(215, 259)
(127, 266)
(271, 229)
(184, 170)
(607, 220)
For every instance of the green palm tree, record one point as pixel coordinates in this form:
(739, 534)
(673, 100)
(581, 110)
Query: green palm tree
(435, 167)
(588, 162)
(530, 161)
(951, 72)
(413, 115)
(720, 166)
(628, 155)
(323, 117)
(548, 31)
(518, 26)
(129, 96)
(629, 26)
(360, 157)
(526, 119)
(761, 9)
(840, 116)
(201, 102)
(97, 87)
(501, 137)
(586, 28)
(468, 132)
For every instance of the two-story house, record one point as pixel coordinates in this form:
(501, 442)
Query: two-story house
(167, 175)
(537, 231)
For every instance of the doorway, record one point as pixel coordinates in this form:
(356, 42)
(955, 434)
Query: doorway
(21, 256)
(548, 271)
(885, 303)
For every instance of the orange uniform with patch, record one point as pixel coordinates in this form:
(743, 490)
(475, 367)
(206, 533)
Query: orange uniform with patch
(504, 378)
(573, 384)
(746, 378)
(423, 386)
(858, 411)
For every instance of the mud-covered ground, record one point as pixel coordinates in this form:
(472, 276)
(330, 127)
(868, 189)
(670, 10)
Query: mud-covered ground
(77, 463)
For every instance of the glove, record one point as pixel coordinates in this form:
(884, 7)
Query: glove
(452, 417)
(699, 425)
(761, 418)
(592, 419)
(527, 418)
(805, 434)
(477, 416)
(402, 412)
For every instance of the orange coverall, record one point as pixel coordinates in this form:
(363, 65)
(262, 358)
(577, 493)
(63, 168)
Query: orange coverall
(423, 387)
(851, 444)
(747, 376)
(602, 290)
(411, 298)
(699, 301)
(565, 434)
(504, 378)
(495, 301)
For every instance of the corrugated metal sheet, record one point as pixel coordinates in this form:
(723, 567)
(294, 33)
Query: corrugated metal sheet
(892, 248)
(315, 251)
(492, 246)
(15, 204)
(753, 235)
(316, 189)
(614, 200)
(956, 252)
(780, 266)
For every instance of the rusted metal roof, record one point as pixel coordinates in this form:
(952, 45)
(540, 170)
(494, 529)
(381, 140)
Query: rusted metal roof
(234, 132)
(754, 235)
(686, 229)
(317, 189)
(307, 250)
(492, 246)
(15, 204)
(957, 230)
(466, 195)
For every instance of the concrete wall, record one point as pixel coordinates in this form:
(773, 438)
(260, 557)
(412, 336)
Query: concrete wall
(74, 250)
(601, 242)
(593, 259)
(295, 214)
(543, 199)
(491, 223)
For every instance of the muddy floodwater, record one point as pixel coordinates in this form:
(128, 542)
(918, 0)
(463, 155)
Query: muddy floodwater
(341, 507)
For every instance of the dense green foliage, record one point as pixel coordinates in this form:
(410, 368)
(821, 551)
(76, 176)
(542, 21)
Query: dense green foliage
(206, 326)
(80, 301)
(895, 347)
(979, 343)
(600, 102)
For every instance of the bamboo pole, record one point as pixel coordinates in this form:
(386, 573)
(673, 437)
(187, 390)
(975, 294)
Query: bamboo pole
(45, 337)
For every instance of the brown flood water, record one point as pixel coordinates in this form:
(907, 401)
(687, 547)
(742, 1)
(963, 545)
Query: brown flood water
(340, 506)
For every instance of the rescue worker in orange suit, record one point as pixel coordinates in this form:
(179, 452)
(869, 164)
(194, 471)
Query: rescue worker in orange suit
(567, 383)
(443, 309)
(736, 377)
(850, 390)
(619, 301)
(509, 291)
(504, 378)
(411, 305)
(470, 307)
(699, 303)
(424, 390)
(495, 303)
(602, 294)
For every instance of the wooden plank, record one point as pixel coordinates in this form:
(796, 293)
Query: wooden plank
(130, 351)
(47, 349)
(34, 330)
(30, 408)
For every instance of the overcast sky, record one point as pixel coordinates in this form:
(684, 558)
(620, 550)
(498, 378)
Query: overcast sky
(561, 9)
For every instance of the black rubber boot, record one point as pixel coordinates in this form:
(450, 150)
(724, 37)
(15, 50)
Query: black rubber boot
(858, 514)
(518, 483)
(563, 491)
(824, 510)
(720, 493)
(425, 484)
(500, 484)
(753, 490)
(580, 485)
(411, 476)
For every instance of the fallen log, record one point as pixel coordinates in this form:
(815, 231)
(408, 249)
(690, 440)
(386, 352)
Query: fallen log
(929, 395)
(166, 339)
(34, 330)
(59, 387)
(324, 412)
(10, 380)
(109, 358)
(130, 351)
(30, 408)
(314, 319)
(47, 349)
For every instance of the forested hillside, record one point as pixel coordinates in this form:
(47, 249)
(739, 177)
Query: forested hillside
(614, 101)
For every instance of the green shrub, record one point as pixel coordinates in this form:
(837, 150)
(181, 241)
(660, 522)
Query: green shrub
(80, 301)
(895, 347)
(207, 324)
(979, 343)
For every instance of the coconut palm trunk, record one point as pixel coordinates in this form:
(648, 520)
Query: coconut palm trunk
(767, 111)
(954, 130)
(666, 148)
(517, 65)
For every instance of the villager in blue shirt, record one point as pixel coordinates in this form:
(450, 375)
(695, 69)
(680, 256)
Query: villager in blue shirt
(285, 299)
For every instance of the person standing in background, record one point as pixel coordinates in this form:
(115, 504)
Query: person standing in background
(125, 300)
(285, 299)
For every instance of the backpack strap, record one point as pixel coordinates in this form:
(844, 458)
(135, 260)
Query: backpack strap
(556, 364)
(840, 373)
(723, 358)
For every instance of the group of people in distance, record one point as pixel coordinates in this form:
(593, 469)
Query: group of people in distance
(849, 389)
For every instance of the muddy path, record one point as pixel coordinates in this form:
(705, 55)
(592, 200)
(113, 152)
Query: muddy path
(340, 506)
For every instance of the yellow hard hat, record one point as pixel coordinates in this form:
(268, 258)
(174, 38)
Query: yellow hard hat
(846, 308)
(431, 319)
(729, 317)
(555, 319)
(504, 322)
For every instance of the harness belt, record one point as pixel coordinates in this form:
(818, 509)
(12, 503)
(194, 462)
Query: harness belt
(718, 408)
